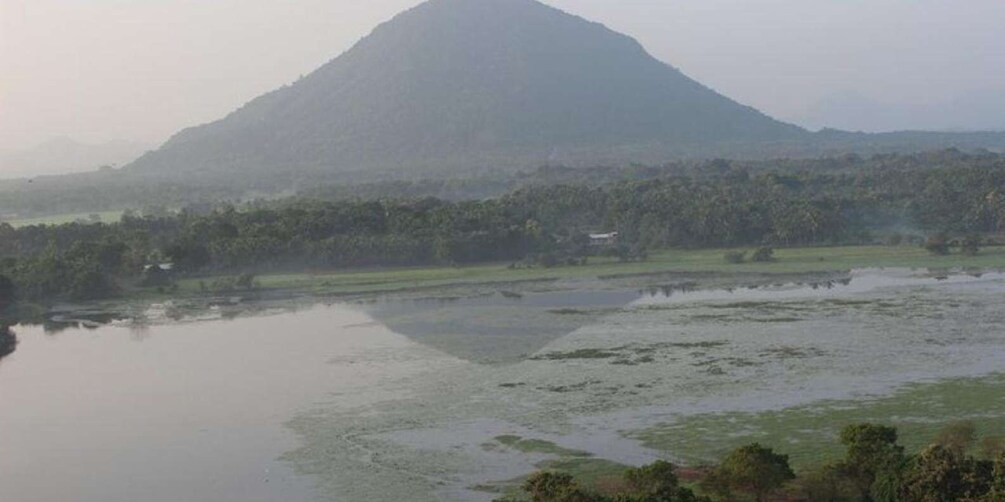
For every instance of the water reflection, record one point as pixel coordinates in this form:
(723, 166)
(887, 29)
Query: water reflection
(497, 327)
(194, 412)
(685, 288)
(671, 289)
(858, 281)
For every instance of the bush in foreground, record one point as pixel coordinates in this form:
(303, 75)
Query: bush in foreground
(875, 468)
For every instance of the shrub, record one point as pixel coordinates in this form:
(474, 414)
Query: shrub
(155, 276)
(245, 281)
(547, 260)
(756, 470)
(552, 486)
(763, 255)
(937, 245)
(971, 245)
(8, 341)
(736, 257)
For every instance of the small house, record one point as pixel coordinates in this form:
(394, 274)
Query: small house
(604, 240)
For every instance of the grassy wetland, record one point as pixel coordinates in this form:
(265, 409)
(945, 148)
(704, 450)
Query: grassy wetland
(810, 260)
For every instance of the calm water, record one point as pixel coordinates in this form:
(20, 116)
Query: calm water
(191, 411)
(396, 399)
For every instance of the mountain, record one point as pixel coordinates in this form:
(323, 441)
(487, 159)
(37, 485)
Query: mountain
(64, 156)
(466, 84)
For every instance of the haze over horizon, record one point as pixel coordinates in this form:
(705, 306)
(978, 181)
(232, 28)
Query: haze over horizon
(141, 71)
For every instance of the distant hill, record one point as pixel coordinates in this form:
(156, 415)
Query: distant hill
(473, 83)
(65, 156)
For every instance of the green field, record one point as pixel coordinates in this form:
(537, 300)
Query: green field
(788, 261)
(59, 219)
(809, 434)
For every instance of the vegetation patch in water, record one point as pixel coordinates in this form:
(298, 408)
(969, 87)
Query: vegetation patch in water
(577, 354)
(590, 472)
(538, 446)
(792, 352)
(773, 320)
(561, 389)
(632, 355)
(696, 345)
(568, 311)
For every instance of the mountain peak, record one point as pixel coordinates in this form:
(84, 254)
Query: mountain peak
(459, 84)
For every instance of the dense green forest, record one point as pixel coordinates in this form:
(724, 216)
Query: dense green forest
(875, 468)
(840, 201)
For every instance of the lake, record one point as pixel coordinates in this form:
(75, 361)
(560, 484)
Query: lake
(457, 394)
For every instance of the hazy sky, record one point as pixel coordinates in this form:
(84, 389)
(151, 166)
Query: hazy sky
(99, 70)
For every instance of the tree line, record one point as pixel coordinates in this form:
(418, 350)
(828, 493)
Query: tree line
(122, 189)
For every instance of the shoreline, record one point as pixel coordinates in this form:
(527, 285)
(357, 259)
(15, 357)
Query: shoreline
(702, 269)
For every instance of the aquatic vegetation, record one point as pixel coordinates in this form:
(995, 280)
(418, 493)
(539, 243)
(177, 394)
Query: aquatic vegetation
(538, 446)
(571, 388)
(631, 355)
(569, 311)
(793, 352)
(576, 354)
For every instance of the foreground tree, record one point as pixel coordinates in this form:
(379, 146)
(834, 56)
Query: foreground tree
(555, 487)
(938, 474)
(873, 455)
(827, 484)
(998, 478)
(656, 482)
(754, 469)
